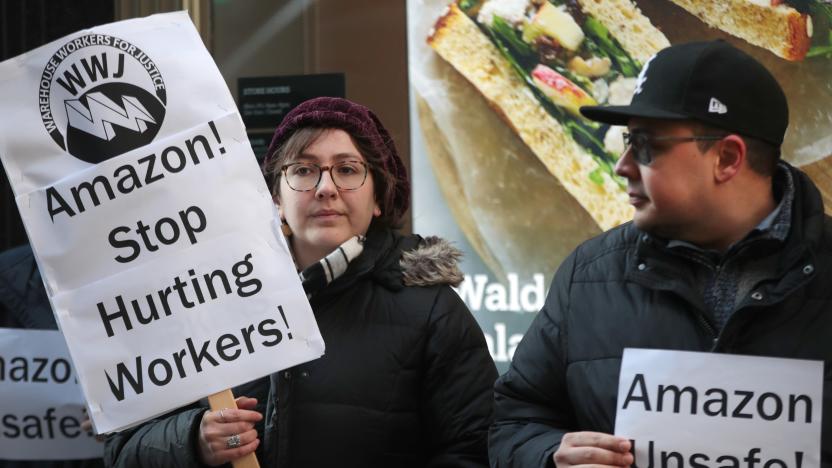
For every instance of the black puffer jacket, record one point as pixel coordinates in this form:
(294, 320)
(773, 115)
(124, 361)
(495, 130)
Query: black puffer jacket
(406, 379)
(625, 289)
(23, 301)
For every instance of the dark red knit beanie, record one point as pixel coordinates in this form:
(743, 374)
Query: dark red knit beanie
(360, 122)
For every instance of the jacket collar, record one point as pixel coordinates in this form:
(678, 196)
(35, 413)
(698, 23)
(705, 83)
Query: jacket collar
(652, 264)
(393, 261)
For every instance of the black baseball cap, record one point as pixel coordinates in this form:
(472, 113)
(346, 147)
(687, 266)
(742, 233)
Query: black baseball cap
(710, 82)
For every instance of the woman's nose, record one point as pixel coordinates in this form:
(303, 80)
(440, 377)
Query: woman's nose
(326, 187)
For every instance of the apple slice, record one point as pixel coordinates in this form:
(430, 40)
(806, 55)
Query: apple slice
(556, 23)
(560, 90)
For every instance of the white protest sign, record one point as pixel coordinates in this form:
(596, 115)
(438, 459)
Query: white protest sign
(720, 410)
(152, 225)
(42, 407)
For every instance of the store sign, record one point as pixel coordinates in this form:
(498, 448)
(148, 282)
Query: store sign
(260, 142)
(265, 100)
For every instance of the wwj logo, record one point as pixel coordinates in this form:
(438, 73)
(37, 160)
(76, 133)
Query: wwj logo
(101, 96)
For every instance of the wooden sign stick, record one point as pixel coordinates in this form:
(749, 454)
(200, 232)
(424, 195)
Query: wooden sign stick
(223, 400)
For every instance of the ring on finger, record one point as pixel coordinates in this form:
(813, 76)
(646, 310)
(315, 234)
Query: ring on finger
(232, 442)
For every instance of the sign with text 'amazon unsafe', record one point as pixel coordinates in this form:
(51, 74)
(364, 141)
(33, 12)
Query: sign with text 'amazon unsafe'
(154, 230)
(705, 410)
(42, 409)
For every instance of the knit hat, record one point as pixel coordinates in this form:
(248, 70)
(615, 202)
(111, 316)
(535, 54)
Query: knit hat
(361, 123)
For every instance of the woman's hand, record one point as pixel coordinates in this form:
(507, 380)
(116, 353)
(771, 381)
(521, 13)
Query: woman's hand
(228, 434)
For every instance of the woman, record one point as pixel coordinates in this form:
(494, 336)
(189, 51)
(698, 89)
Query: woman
(406, 379)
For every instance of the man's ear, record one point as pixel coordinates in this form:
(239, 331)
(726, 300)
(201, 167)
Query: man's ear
(731, 153)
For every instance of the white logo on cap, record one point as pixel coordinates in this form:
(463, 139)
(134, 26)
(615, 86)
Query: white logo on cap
(716, 107)
(642, 76)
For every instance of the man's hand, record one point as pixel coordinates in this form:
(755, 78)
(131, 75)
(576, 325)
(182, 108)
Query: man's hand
(228, 434)
(593, 448)
(86, 426)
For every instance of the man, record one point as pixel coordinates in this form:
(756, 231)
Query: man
(729, 251)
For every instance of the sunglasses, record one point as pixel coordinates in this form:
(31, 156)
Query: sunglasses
(641, 144)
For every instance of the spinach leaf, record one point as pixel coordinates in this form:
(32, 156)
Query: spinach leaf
(601, 34)
(503, 36)
(589, 138)
(821, 14)
(523, 59)
(511, 37)
(469, 6)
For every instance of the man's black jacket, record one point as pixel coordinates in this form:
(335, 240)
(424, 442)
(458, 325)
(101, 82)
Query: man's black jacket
(623, 289)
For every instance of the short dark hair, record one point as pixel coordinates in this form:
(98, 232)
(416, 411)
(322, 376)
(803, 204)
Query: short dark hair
(762, 156)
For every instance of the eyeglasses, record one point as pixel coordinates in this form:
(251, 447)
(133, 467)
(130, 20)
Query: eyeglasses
(641, 144)
(346, 175)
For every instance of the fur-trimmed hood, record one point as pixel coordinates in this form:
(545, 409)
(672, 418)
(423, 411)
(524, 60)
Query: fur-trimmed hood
(434, 261)
(397, 261)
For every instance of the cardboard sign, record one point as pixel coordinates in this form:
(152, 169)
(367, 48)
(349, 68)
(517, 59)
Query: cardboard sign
(706, 409)
(152, 225)
(42, 407)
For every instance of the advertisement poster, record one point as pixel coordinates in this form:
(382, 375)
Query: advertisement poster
(153, 228)
(503, 164)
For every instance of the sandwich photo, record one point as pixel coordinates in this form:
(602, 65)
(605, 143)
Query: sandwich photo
(537, 62)
(785, 27)
(503, 162)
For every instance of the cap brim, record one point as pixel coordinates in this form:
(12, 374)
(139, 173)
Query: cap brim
(621, 115)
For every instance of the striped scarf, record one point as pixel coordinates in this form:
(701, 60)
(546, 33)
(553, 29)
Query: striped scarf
(317, 276)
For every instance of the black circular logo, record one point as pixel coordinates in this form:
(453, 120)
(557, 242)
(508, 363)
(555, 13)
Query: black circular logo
(101, 96)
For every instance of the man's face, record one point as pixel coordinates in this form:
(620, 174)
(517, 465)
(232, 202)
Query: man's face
(672, 195)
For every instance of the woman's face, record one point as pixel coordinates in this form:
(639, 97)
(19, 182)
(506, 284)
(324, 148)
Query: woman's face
(324, 217)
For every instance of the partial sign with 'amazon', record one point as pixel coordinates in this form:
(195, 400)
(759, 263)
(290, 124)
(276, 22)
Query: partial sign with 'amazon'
(719, 410)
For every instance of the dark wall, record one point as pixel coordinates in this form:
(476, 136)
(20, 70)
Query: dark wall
(25, 25)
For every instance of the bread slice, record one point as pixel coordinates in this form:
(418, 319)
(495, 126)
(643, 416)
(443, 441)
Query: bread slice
(628, 25)
(458, 40)
(780, 29)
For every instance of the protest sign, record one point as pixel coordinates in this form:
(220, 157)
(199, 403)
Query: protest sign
(42, 407)
(152, 225)
(702, 410)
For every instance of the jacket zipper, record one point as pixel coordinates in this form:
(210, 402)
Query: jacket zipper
(710, 329)
(717, 267)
